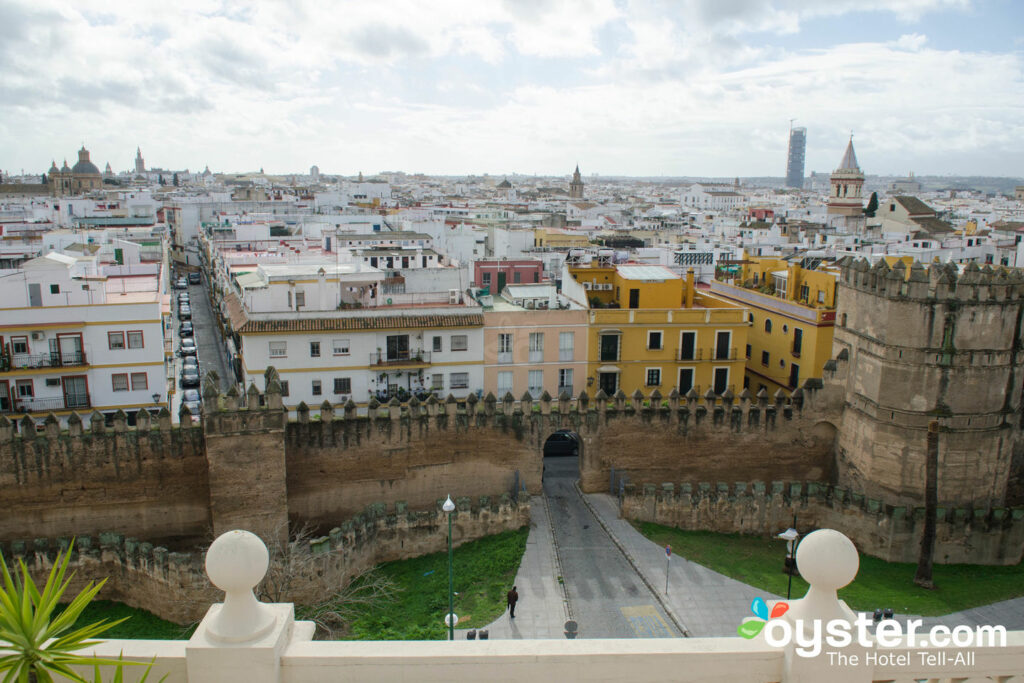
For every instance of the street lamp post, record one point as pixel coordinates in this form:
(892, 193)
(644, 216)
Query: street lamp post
(449, 507)
(789, 536)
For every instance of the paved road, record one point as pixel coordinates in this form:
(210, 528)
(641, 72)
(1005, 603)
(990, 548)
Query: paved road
(606, 596)
(212, 353)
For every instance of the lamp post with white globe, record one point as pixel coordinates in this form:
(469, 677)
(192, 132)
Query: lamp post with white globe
(789, 536)
(449, 507)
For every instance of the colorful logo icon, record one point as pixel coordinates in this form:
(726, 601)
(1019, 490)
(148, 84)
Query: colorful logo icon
(750, 628)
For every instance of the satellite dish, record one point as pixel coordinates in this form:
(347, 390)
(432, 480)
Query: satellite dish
(389, 301)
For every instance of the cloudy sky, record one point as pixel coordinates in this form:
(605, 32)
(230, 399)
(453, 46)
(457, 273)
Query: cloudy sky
(624, 87)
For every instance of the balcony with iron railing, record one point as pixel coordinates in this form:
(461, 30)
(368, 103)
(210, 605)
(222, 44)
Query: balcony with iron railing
(52, 359)
(690, 354)
(46, 405)
(392, 358)
(723, 353)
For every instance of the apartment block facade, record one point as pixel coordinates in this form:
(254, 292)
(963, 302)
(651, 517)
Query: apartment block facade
(76, 336)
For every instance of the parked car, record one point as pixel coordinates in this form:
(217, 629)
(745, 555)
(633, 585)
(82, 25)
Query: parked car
(190, 361)
(190, 400)
(562, 442)
(183, 298)
(181, 283)
(190, 376)
(185, 312)
(195, 279)
(188, 346)
(186, 329)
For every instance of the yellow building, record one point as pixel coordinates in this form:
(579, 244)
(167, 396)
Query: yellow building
(651, 329)
(554, 238)
(792, 313)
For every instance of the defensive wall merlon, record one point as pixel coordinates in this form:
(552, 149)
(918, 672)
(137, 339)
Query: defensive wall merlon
(937, 281)
(245, 465)
(174, 585)
(892, 533)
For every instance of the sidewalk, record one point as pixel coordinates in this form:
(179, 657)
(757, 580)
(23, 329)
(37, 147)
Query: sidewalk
(702, 602)
(706, 603)
(542, 610)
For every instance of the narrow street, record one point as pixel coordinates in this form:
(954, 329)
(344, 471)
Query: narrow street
(212, 352)
(607, 597)
(209, 344)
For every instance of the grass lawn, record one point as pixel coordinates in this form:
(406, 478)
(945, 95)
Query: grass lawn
(141, 624)
(483, 573)
(758, 561)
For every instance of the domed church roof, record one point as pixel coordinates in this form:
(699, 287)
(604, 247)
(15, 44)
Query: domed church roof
(84, 166)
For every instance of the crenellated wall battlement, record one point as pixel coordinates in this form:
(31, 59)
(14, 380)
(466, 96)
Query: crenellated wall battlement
(893, 533)
(916, 344)
(174, 585)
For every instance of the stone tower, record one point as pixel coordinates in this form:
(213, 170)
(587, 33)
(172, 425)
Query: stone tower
(140, 163)
(845, 197)
(917, 344)
(576, 186)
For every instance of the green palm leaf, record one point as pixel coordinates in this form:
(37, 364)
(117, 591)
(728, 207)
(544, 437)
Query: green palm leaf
(39, 642)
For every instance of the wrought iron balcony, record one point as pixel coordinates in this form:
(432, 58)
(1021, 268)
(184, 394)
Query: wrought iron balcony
(400, 358)
(53, 359)
(45, 405)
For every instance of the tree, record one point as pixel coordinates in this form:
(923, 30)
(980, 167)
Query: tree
(161, 180)
(872, 206)
(295, 573)
(175, 181)
(40, 644)
(43, 178)
(923, 576)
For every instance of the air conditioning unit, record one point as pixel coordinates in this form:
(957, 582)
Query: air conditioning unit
(453, 296)
(529, 303)
(587, 285)
(53, 381)
(608, 286)
(38, 334)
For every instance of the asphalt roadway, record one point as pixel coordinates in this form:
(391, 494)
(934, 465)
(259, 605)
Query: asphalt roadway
(607, 597)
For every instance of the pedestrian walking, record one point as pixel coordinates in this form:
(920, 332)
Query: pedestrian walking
(513, 598)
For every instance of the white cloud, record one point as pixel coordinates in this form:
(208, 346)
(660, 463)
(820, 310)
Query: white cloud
(647, 87)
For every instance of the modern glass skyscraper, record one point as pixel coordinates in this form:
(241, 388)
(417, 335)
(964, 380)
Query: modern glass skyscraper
(795, 164)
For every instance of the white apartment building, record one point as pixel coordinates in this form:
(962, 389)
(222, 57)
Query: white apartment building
(78, 335)
(713, 198)
(333, 333)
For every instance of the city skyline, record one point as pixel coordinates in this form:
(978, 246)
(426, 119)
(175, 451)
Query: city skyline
(623, 88)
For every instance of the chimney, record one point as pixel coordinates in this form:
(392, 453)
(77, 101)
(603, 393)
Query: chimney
(689, 287)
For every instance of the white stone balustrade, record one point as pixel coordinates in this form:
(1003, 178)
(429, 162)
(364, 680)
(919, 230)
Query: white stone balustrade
(247, 641)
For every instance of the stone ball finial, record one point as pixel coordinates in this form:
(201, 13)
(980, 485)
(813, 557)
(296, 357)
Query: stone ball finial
(236, 562)
(827, 559)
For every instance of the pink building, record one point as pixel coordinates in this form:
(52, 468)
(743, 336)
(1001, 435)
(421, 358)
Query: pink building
(534, 341)
(498, 273)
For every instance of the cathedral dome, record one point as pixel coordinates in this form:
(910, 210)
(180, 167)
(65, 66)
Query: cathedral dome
(84, 166)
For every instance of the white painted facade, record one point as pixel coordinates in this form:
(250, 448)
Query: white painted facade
(80, 337)
(339, 365)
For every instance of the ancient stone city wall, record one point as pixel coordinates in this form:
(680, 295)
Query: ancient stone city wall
(174, 586)
(892, 533)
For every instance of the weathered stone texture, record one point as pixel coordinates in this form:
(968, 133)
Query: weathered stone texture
(174, 585)
(892, 533)
(921, 345)
(149, 482)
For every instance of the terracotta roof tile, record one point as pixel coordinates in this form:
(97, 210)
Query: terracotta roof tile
(388, 322)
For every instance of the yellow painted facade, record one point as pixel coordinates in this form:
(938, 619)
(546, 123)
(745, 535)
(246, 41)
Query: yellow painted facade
(792, 316)
(559, 239)
(644, 336)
